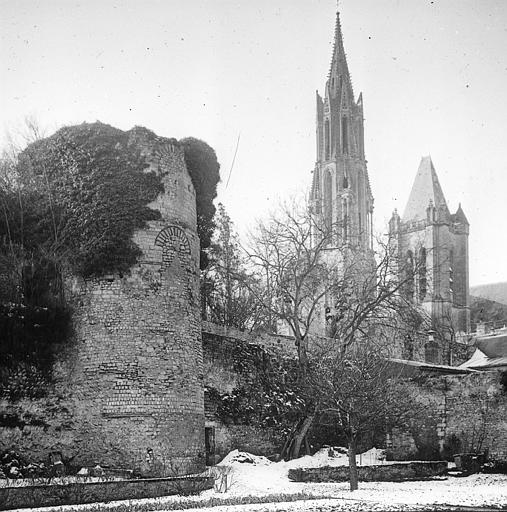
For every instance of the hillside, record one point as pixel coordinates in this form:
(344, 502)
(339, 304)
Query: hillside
(489, 311)
(494, 291)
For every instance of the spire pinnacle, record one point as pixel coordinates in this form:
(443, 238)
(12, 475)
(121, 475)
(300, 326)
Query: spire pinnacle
(339, 68)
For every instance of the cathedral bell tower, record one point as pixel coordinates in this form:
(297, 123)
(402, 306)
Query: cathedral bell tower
(341, 196)
(432, 245)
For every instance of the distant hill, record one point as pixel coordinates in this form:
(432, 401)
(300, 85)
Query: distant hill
(494, 314)
(494, 291)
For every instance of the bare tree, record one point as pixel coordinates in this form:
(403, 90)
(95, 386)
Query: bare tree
(305, 270)
(12, 207)
(287, 253)
(17, 138)
(361, 393)
(225, 283)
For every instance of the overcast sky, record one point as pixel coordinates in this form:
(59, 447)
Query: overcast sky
(433, 76)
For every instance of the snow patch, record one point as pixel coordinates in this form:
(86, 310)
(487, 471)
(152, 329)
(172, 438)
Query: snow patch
(244, 458)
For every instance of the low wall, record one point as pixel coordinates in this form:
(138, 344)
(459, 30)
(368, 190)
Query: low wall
(454, 414)
(278, 344)
(378, 473)
(246, 438)
(33, 496)
(232, 360)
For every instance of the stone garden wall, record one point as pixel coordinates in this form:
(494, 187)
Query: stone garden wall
(458, 413)
(232, 359)
(378, 473)
(35, 496)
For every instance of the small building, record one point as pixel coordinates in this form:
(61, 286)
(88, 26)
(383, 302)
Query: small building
(490, 353)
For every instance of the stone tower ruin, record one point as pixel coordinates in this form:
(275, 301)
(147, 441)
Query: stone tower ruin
(137, 374)
(128, 387)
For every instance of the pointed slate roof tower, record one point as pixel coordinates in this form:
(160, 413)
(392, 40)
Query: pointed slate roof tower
(426, 188)
(433, 251)
(341, 193)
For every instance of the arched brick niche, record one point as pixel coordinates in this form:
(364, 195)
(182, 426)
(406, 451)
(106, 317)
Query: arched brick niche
(174, 242)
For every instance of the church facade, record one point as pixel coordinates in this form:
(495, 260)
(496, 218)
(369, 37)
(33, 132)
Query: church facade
(341, 195)
(431, 242)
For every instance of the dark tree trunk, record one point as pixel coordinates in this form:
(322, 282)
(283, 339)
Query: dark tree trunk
(307, 446)
(300, 435)
(353, 465)
(289, 441)
(302, 357)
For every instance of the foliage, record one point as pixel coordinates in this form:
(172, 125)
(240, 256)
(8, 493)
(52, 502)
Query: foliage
(266, 393)
(225, 284)
(71, 203)
(355, 292)
(273, 405)
(33, 322)
(84, 191)
(204, 169)
(490, 312)
(503, 381)
(184, 503)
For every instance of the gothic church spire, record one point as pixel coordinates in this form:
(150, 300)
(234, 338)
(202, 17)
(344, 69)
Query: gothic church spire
(341, 191)
(338, 70)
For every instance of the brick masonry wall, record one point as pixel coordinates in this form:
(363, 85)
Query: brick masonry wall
(476, 413)
(246, 438)
(379, 473)
(223, 372)
(461, 413)
(276, 344)
(35, 496)
(129, 389)
(422, 438)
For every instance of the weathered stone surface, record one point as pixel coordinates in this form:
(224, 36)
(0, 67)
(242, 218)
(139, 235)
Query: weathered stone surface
(462, 413)
(128, 389)
(226, 369)
(380, 473)
(92, 492)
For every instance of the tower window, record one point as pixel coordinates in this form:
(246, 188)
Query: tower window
(423, 283)
(345, 219)
(345, 136)
(451, 275)
(328, 200)
(409, 275)
(327, 140)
